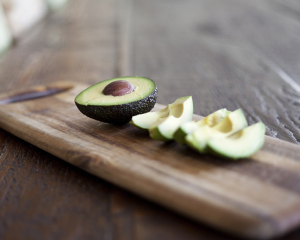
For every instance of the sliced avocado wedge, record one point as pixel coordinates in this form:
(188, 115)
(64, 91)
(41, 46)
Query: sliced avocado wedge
(189, 127)
(163, 123)
(117, 100)
(241, 144)
(198, 139)
(180, 111)
(185, 129)
(144, 121)
(234, 122)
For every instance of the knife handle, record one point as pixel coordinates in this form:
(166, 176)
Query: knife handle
(35, 92)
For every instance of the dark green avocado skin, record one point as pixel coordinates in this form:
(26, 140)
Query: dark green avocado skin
(119, 114)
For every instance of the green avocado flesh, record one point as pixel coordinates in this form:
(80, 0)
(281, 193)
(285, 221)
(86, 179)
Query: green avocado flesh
(117, 109)
(144, 121)
(162, 124)
(232, 123)
(222, 133)
(241, 144)
(189, 127)
(180, 111)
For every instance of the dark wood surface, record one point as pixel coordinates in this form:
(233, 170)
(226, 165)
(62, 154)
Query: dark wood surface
(226, 53)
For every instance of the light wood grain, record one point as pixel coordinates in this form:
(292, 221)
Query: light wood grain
(225, 194)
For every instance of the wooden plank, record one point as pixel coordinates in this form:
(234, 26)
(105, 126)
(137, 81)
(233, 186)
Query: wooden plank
(225, 194)
(63, 201)
(233, 54)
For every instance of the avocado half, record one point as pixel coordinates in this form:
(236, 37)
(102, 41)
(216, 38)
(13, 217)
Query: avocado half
(93, 103)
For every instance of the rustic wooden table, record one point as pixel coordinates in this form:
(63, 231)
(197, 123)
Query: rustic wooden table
(225, 53)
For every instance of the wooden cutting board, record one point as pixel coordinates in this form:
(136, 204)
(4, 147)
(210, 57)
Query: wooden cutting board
(257, 197)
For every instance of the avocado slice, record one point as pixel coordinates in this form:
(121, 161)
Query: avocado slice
(189, 127)
(163, 123)
(117, 100)
(185, 129)
(144, 121)
(241, 144)
(234, 122)
(179, 112)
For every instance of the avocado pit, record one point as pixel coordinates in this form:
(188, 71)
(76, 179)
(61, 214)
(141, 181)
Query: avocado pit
(118, 88)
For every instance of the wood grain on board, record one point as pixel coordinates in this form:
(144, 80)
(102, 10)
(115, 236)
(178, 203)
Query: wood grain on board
(234, 196)
(225, 53)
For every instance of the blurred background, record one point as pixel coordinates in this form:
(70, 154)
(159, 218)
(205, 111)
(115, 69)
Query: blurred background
(17, 16)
